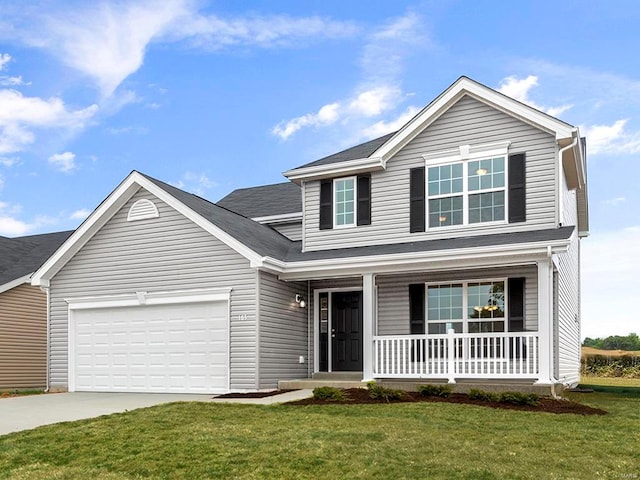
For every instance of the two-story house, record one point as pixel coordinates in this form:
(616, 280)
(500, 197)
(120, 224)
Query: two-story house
(446, 251)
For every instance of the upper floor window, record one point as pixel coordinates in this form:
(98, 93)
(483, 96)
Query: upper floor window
(466, 192)
(345, 201)
(467, 186)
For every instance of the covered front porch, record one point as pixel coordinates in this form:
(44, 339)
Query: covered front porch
(485, 321)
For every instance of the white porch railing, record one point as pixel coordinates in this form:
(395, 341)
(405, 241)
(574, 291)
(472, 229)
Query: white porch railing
(457, 355)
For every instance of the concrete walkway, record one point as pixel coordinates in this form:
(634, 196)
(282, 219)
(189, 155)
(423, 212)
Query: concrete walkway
(27, 412)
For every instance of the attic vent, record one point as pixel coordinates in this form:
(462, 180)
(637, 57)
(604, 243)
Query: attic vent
(142, 209)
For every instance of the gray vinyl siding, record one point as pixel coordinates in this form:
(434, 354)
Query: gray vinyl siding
(468, 122)
(156, 255)
(568, 311)
(393, 294)
(293, 231)
(283, 331)
(23, 338)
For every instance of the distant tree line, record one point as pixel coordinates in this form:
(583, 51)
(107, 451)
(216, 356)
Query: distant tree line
(615, 342)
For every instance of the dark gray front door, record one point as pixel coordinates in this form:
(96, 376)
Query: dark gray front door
(346, 332)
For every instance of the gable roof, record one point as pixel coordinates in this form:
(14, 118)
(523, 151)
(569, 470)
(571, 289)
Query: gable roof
(250, 239)
(21, 256)
(264, 201)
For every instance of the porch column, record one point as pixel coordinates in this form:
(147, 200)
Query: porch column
(545, 320)
(368, 317)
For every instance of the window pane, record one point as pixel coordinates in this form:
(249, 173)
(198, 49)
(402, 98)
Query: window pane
(344, 201)
(442, 211)
(485, 300)
(486, 174)
(486, 207)
(444, 302)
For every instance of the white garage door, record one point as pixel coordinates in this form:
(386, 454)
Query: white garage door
(177, 348)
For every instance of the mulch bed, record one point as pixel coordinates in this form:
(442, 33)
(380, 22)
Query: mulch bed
(549, 405)
(253, 394)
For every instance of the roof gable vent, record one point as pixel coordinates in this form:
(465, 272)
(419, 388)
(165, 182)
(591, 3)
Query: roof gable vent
(142, 209)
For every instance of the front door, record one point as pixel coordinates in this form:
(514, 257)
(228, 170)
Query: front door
(346, 331)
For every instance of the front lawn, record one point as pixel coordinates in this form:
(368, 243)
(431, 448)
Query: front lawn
(415, 440)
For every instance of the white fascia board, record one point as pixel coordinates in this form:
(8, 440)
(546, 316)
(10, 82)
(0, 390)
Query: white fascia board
(149, 298)
(15, 283)
(110, 207)
(283, 218)
(335, 169)
(418, 261)
(466, 86)
(101, 215)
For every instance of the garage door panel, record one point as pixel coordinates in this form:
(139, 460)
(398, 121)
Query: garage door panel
(159, 348)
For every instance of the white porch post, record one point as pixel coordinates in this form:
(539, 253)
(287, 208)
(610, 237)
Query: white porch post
(368, 318)
(545, 320)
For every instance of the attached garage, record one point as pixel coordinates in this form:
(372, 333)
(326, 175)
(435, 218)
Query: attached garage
(153, 343)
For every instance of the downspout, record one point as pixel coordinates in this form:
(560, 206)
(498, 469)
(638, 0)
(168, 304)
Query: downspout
(310, 336)
(47, 374)
(560, 196)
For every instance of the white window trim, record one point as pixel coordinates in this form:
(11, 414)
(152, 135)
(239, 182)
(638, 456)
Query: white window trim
(355, 202)
(465, 302)
(464, 154)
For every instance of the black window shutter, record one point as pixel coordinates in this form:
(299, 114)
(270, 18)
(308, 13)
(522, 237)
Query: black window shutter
(516, 304)
(364, 199)
(416, 308)
(417, 215)
(517, 206)
(326, 204)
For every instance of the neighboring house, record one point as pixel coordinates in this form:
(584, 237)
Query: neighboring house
(23, 310)
(446, 251)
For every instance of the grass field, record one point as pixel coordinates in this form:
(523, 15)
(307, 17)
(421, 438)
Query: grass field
(609, 353)
(420, 440)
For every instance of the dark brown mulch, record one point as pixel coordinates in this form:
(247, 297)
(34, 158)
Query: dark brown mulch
(253, 394)
(549, 405)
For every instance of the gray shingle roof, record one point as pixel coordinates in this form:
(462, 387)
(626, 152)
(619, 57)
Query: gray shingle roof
(264, 201)
(359, 151)
(22, 256)
(266, 241)
(296, 255)
(262, 239)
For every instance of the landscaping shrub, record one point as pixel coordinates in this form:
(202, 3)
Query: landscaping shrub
(435, 390)
(331, 394)
(610, 366)
(519, 398)
(477, 394)
(378, 392)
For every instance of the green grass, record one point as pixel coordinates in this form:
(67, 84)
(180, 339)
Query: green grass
(399, 441)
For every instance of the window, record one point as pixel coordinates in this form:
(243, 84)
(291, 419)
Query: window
(466, 192)
(467, 307)
(344, 201)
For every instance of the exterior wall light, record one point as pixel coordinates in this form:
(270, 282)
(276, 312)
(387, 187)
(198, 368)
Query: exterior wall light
(300, 301)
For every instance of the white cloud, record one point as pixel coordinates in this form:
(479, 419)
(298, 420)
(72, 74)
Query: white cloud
(518, 89)
(214, 32)
(108, 41)
(9, 224)
(613, 139)
(80, 214)
(382, 62)
(20, 115)
(9, 161)
(376, 100)
(382, 127)
(64, 162)
(12, 81)
(614, 202)
(610, 264)
(196, 183)
(327, 115)
(5, 58)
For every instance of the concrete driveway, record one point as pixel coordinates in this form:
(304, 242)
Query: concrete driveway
(24, 413)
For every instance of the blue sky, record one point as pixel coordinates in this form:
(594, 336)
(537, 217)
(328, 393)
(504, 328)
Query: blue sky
(212, 96)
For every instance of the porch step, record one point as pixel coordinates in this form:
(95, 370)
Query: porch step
(356, 376)
(315, 382)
